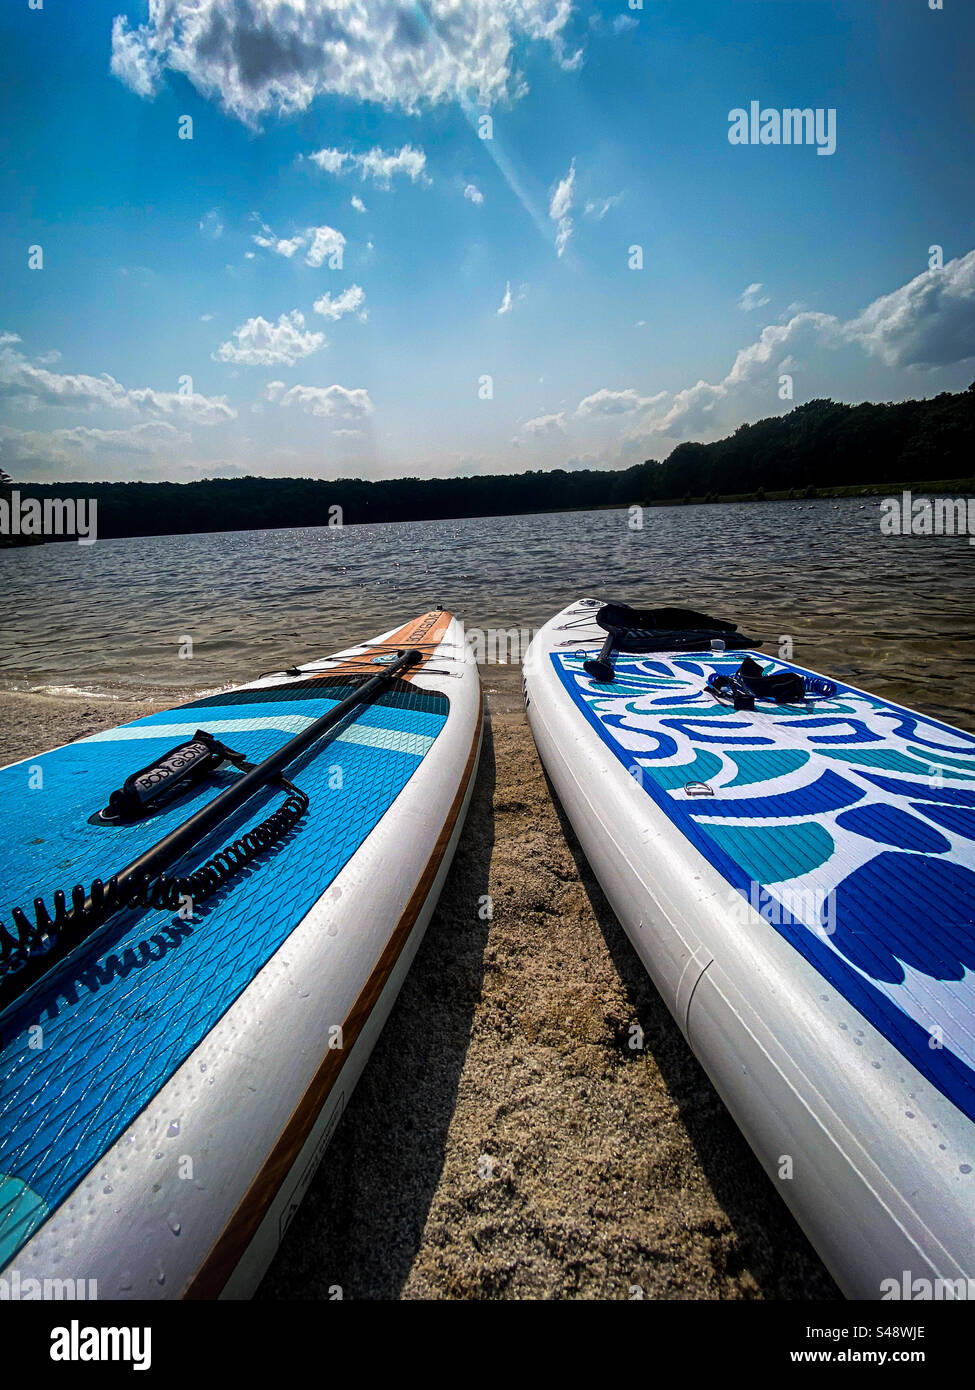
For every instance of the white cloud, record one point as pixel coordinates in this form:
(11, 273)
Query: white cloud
(357, 203)
(277, 56)
(37, 387)
(322, 401)
(606, 402)
(473, 194)
(926, 323)
(545, 424)
(561, 200)
(505, 306)
(752, 297)
(322, 242)
(63, 448)
(692, 409)
(205, 318)
(377, 164)
(281, 246)
(134, 60)
(326, 243)
(211, 225)
(598, 207)
(560, 206)
(348, 302)
(258, 343)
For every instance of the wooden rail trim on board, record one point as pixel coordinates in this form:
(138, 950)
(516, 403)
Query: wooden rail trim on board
(243, 1225)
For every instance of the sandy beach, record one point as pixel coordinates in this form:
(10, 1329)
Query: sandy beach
(505, 1140)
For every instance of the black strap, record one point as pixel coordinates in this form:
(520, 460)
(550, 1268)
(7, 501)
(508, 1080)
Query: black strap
(145, 791)
(750, 683)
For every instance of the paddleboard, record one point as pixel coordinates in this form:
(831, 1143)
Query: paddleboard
(168, 1090)
(799, 881)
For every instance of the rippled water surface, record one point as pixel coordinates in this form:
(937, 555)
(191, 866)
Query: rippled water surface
(893, 614)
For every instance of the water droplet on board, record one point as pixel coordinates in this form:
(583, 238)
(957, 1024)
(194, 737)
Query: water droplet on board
(125, 1281)
(173, 1129)
(203, 1066)
(909, 1114)
(107, 1188)
(161, 1277)
(174, 1223)
(964, 1167)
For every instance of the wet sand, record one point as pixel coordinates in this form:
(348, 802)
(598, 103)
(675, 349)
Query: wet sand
(505, 1140)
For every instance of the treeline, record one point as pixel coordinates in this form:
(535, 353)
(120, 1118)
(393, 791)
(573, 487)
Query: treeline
(820, 444)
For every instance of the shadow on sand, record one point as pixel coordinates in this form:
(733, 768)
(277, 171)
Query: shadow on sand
(770, 1245)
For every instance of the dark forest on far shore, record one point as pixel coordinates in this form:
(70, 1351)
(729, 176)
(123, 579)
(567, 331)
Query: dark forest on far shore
(819, 445)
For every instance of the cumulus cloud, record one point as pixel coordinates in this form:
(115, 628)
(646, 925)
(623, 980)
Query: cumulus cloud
(545, 424)
(692, 409)
(560, 206)
(379, 165)
(322, 242)
(258, 343)
(322, 401)
(276, 56)
(473, 194)
(606, 402)
(63, 448)
(326, 244)
(753, 298)
(135, 61)
(281, 246)
(925, 323)
(356, 202)
(350, 301)
(36, 386)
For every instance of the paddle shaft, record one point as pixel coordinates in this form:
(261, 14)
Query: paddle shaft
(178, 841)
(95, 908)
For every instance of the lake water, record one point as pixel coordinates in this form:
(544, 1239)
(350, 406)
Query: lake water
(893, 614)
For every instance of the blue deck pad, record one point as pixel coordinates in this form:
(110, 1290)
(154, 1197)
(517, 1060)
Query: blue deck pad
(119, 1024)
(820, 818)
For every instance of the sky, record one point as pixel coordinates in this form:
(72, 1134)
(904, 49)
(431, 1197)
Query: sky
(361, 238)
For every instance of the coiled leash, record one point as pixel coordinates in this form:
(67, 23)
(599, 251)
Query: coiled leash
(32, 949)
(750, 683)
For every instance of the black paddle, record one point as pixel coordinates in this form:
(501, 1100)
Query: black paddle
(35, 949)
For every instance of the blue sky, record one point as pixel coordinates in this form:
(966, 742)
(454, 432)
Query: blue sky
(319, 281)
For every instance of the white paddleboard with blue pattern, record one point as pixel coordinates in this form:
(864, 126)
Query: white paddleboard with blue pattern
(799, 880)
